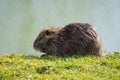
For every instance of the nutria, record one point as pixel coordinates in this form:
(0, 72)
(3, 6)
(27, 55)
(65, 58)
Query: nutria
(74, 38)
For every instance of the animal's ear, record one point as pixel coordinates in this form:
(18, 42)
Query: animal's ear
(49, 32)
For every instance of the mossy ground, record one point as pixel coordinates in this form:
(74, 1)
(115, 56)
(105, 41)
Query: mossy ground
(21, 67)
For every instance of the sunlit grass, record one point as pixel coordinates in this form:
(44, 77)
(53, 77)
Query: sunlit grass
(21, 67)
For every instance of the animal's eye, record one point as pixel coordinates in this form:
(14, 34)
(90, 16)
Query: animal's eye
(48, 32)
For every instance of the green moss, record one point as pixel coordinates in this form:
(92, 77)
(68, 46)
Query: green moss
(21, 67)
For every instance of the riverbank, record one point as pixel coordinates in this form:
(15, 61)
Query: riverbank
(21, 67)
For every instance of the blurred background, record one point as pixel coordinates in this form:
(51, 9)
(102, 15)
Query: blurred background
(22, 20)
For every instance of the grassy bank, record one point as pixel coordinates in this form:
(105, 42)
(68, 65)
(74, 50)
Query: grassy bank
(20, 67)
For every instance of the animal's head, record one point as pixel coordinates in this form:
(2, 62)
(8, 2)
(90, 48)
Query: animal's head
(43, 40)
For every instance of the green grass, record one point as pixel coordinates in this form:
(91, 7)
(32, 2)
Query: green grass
(21, 67)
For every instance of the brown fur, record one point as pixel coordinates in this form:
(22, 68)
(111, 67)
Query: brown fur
(75, 38)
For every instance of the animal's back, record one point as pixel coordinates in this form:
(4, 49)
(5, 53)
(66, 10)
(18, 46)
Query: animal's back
(79, 38)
